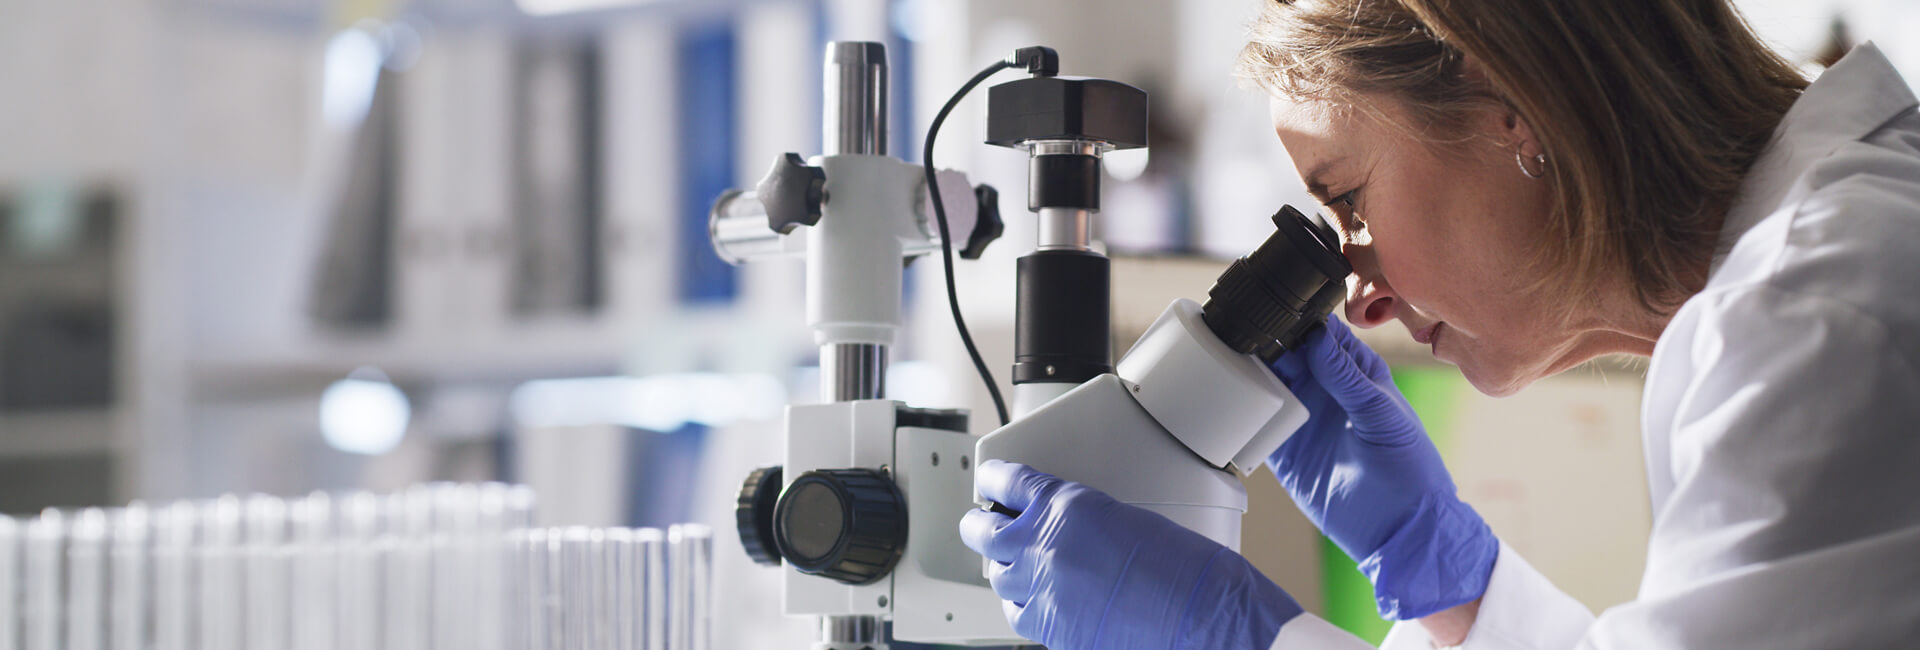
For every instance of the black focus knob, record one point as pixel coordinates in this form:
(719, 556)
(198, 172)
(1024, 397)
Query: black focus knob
(792, 193)
(849, 525)
(753, 514)
(987, 225)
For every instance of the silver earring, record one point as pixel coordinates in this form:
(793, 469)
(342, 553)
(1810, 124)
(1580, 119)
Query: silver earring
(1539, 159)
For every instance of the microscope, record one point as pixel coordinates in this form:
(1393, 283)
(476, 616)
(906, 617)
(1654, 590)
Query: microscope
(865, 508)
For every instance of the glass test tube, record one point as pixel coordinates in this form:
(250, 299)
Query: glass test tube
(599, 588)
(575, 604)
(358, 595)
(528, 589)
(650, 553)
(552, 587)
(41, 615)
(127, 618)
(312, 621)
(689, 555)
(221, 609)
(493, 570)
(9, 577)
(173, 538)
(455, 566)
(86, 580)
(267, 582)
(621, 588)
(699, 539)
(408, 516)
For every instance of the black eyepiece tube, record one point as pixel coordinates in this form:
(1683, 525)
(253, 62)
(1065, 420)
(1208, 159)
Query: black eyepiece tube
(1265, 302)
(1061, 328)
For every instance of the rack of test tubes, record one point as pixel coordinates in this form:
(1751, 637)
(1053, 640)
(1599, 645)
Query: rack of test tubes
(434, 567)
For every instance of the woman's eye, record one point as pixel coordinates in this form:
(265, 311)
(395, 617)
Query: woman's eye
(1343, 207)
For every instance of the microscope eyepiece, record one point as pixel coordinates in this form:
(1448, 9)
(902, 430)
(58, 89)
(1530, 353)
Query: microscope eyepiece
(1265, 302)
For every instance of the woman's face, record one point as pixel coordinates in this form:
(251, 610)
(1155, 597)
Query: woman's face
(1441, 242)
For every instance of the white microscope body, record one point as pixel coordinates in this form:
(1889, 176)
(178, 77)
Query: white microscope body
(1166, 429)
(864, 511)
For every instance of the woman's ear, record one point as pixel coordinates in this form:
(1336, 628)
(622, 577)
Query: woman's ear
(1499, 120)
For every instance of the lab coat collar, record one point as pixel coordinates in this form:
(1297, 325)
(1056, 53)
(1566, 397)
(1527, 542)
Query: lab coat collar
(1850, 100)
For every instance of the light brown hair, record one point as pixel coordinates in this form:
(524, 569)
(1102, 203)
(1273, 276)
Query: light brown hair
(1651, 111)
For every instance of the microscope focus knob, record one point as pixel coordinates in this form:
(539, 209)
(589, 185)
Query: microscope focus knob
(792, 193)
(753, 514)
(987, 225)
(849, 525)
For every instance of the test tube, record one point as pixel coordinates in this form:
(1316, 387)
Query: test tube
(9, 578)
(689, 554)
(455, 565)
(650, 554)
(358, 594)
(520, 505)
(576, 609)
(267, 582)
(173, 537)
(552, 590)
(127, 619)
(621, 589)
(46, 535)
(493, 554)
(86, 580)
(599, 588)
(403, 608)
(312, 622)
(699, 540)
(529, 589)
(222, 612)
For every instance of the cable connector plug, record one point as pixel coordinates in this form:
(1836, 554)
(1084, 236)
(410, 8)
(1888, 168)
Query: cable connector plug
(1038, 60)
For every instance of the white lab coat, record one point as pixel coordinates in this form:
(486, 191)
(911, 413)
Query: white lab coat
(1781, 416)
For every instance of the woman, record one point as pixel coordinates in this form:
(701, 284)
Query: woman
(1525, 185)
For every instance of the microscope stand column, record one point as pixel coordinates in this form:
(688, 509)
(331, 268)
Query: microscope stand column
(855, 123)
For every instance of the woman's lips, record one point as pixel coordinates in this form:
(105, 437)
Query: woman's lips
(1425, 334)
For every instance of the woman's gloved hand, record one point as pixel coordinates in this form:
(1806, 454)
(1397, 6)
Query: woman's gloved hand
(1078, 570)
(1364, 471)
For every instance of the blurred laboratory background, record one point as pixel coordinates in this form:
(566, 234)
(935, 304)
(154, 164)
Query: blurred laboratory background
(285, 246)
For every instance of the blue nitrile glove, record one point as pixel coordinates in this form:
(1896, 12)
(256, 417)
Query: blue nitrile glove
(1078, 570)
(1364, 471)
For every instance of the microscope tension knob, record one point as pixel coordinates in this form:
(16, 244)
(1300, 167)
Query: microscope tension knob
(792, 193)
(753, 514)
(987, 226)
(849, 525)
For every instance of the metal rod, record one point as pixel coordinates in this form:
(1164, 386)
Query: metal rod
(856, 98)
(853, 371)
(1093, 148)
(739, 232)
(850, 629)
(1064, 229)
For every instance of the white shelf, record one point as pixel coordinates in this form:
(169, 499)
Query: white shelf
(535, 349)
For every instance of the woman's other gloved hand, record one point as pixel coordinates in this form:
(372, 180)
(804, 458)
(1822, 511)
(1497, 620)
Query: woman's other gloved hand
(1077, 570)
(1364, 471)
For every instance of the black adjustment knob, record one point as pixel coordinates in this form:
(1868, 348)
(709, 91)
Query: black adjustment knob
(753, 514)
(987, 225)
(792, 193)
(846, 524)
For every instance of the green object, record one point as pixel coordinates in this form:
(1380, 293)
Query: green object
(1434, 393)
(1348, 595)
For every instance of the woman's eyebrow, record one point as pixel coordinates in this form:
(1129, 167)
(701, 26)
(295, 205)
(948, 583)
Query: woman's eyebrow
(1316, 186)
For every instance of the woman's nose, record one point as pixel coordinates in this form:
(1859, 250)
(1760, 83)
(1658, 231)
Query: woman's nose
(1370, 300)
